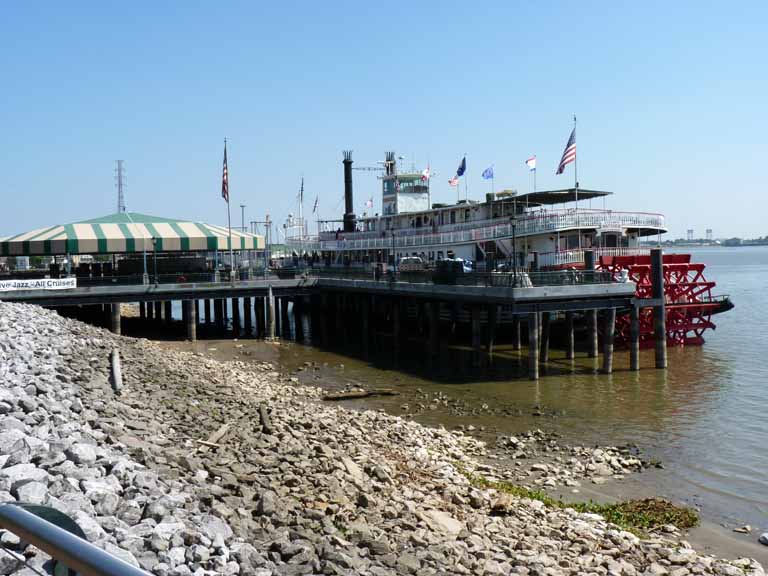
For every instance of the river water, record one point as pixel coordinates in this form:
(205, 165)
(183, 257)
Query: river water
(704, 417)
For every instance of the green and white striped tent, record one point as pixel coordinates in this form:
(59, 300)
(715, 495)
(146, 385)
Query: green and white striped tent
(127, 232)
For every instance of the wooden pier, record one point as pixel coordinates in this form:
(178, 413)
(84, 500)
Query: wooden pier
(343, 310)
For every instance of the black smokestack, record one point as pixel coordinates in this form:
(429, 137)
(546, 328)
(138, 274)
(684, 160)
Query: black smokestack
(349, 214)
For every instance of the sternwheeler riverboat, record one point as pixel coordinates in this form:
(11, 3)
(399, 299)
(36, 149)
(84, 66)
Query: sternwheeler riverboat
(537, 231)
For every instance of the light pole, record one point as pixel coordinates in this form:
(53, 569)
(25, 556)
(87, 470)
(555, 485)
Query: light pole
(394, 257)
(154, 257)
(513, 222)
(145, 276)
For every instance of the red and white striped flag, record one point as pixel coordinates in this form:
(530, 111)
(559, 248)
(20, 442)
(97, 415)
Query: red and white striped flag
(569, 154)
(225, 177)
(454, 181)
(531, 163)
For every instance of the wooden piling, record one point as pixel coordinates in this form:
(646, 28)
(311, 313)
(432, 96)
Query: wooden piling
(114, 316)
(298, 318)
(365, 336)
(533, 345)
(278, 317)
(493, 317)
(634, 338)
(516, 332)
(191, 319)
(207, 311)
(235, 317)
(609, 329)
(167, 312)
(592, 333)
(569, 336)
(218, 310)
(270, 304)
(545, 329)
(434, 332)
(395, 310)
(196, 304)
(324, 316)
(340, 325)
(589, 266)
(258, 312)
(285, 321)
(142, 310)
(158, 311)
(659, 312)
(477, 350)
(247, 316)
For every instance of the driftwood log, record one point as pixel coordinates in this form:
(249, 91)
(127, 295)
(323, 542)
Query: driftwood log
(354, 394)
(213, 439)
(117, 372)
(266, 423)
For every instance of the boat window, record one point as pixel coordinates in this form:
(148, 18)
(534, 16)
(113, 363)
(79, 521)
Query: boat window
(453, 217)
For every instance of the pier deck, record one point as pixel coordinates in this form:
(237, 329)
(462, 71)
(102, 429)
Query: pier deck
(379, 305)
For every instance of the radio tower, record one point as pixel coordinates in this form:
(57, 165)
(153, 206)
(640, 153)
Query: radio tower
(120, 183)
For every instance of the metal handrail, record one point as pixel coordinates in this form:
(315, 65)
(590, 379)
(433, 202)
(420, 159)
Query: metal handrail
(487, 279)
(76, 553)
(576, 255)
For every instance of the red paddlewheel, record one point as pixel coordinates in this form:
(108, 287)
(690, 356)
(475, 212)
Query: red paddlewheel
(687, 293)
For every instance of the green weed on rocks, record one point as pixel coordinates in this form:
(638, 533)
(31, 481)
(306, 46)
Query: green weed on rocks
(636, 516)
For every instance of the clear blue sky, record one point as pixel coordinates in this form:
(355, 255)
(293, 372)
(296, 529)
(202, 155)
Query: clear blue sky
(670, 97)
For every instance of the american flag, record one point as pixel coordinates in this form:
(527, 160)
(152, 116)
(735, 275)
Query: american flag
(225, 177)
(531, 163)
(569, 154)
(454, 181)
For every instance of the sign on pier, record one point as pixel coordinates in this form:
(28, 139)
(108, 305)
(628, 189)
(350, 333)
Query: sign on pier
(38, 284)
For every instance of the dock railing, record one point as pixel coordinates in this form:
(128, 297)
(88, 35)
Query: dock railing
(75, 553)
(521, 279)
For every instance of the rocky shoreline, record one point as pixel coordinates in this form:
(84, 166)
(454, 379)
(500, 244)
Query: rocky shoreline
(202, 467)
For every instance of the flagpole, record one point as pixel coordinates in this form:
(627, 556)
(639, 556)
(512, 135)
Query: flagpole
(466, 195)
(576, 179)
(576, 166)
(534, 179)
(229, 226)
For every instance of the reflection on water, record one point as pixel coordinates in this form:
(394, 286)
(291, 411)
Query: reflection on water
(703, 417)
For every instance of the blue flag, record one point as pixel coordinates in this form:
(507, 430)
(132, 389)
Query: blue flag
(488, 173)
(462, 167)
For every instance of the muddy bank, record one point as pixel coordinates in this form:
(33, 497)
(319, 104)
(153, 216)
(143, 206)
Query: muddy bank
(472, 414)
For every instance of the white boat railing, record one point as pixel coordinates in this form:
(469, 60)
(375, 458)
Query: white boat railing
(547, 222)
(565, 257)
